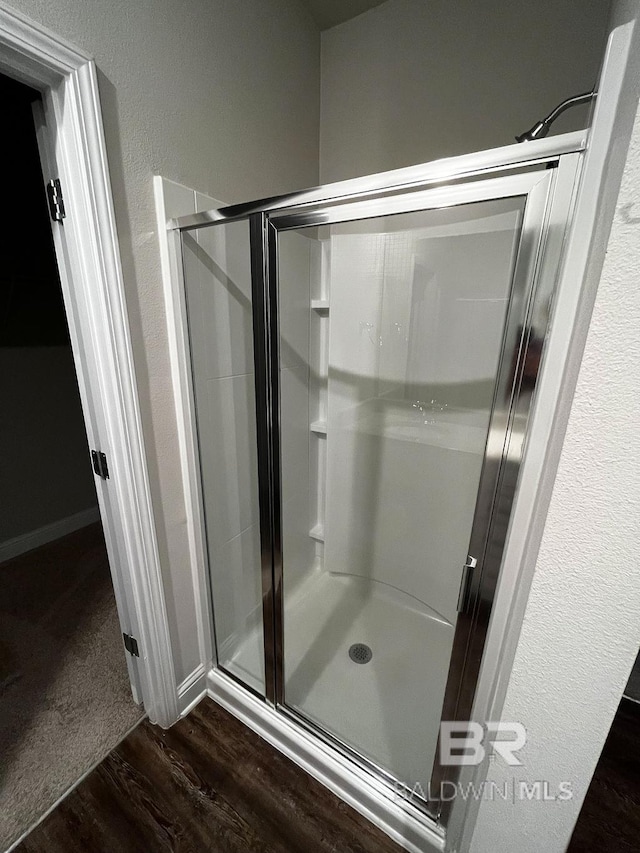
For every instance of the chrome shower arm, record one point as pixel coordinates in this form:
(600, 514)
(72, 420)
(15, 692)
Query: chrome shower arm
(541, 128)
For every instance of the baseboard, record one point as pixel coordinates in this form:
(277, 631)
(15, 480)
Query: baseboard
(49, 533)
(192, 690)
(412, 830)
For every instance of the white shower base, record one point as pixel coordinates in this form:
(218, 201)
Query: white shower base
(388, 709)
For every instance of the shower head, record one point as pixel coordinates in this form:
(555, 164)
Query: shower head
(538, 131)
(541, 128)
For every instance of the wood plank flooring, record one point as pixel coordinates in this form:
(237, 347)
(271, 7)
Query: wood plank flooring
(610, 818)
(207, 784)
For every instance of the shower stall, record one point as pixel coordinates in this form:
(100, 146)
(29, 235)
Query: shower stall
(364, 359)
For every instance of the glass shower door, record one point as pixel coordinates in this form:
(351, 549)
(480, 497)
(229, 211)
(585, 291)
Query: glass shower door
(357, 372)
(219, 306)
(400, 320)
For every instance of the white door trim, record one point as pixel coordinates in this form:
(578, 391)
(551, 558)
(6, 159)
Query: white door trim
(172, 200)
(72, 137)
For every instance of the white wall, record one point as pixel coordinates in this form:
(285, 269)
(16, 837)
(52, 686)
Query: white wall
(581, 629)
(411, 81)
(45, 468)
(222, 96)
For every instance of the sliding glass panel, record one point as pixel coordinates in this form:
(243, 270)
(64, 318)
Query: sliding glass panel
(217, 272)
(391, 335)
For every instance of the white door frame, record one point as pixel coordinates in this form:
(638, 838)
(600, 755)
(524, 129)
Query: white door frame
(71, 140)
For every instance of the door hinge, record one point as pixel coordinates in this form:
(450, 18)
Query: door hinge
(100, 466)
(131, 645)
(56, 202)
(465, 583)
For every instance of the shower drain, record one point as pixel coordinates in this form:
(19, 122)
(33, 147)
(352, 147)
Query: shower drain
(360, 653)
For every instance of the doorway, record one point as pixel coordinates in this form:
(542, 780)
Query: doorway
(65, 693)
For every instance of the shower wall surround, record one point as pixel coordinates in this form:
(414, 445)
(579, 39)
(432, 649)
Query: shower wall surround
(299, 265)
(417, 317)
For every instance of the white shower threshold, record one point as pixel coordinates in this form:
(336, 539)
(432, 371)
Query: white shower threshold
(406, 825)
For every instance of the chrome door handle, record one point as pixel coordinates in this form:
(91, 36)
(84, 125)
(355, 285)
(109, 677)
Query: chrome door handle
(465, 583)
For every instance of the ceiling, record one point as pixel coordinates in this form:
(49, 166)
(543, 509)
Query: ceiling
(328, 13)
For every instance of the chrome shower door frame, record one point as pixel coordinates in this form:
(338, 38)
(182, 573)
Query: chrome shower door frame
(548, 181)
(504, 444)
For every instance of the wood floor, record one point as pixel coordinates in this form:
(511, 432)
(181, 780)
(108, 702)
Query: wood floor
(207, 784)
(210, 784)
(610, 818)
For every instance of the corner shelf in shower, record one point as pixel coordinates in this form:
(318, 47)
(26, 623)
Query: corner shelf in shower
(317, 532)
(318, 427)
(320, 304)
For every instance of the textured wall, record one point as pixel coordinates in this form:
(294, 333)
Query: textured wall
(411, 80)
(582, 625)
(218, 95)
